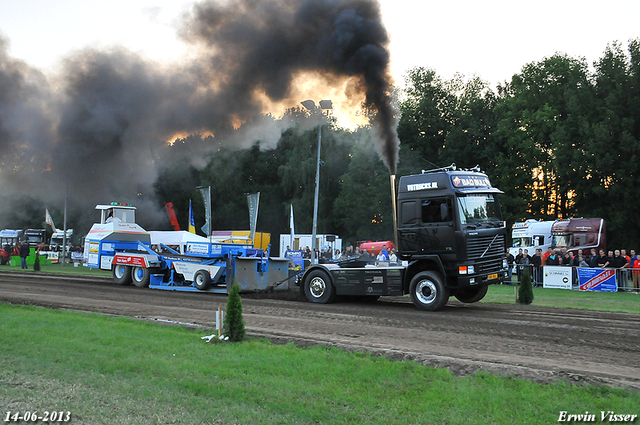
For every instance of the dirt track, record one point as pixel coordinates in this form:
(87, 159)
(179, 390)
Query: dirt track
(539, 344)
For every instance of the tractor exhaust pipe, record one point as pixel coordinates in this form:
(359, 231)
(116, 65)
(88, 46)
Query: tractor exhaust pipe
(394, 206)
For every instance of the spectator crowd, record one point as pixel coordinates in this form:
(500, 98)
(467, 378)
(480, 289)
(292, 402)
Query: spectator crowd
(616, 259)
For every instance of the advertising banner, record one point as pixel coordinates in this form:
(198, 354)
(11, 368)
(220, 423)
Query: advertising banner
(597, 280)
(557, 277)
(296, 257)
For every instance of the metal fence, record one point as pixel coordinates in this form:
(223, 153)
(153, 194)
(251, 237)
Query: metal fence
(626, 280)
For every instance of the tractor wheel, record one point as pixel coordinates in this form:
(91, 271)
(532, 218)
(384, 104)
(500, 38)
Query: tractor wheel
(318, 288)
(428, 291)
(140, 276)
(202, 280)
(471, 294)
(122, 274)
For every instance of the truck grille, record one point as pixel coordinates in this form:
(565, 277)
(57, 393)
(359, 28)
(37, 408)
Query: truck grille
(477, 246)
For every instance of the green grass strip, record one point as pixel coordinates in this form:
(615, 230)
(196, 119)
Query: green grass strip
(620, 302)
(107, 370)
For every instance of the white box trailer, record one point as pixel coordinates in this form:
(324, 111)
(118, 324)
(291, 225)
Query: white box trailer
(301, 241)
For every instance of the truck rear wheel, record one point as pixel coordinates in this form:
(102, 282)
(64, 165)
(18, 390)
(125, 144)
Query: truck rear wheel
(202, 280)
(318, 288)
(428, 291)
(140, 276)
(471, 294)
(122, 274)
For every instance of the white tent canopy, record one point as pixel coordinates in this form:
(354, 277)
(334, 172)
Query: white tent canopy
(175, 238)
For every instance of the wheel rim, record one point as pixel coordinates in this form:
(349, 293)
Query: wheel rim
(317, 287)
(426, 291)
(119, 272)
(138, 274)
(199, 279)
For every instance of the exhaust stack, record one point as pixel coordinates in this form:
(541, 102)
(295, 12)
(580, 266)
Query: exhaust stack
(392, 178)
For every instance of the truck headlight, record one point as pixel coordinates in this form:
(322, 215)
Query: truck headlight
(466, 270)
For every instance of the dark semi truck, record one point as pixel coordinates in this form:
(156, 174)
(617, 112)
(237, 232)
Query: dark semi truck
(451, 239)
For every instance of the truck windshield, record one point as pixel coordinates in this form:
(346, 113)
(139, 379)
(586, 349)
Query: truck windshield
(561, 241)
(521, 242)
(479, 209)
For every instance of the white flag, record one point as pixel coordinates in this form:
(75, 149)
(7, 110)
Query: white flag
(49, 220)
(293, 231)
(254, 200)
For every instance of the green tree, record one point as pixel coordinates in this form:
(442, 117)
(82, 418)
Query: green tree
(614, 167)
(427, 118)
(542, 128)
(363, 207)
(233, 322)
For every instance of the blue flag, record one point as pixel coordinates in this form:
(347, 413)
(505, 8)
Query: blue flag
(192, 223)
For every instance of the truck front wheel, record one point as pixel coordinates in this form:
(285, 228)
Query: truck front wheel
(471, 294)
(428, 291)
(122, 274)
(318, 288)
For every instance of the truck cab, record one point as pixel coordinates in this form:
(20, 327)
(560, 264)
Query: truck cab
(116, 231)
(579, 233)
(35, 237)
(450, 221)
(530, 235)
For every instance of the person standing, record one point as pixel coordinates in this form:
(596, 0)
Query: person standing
(393, 258)
(523, 264)
(593, 259)
(553, 259)
(636, 284)
(385, 253)
(634, 273)
(536, 262)
(603, 260)
(546, 255)
(510, 260)
(24, 253)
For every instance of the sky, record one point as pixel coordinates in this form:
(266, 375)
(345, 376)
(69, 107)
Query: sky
(492, 39)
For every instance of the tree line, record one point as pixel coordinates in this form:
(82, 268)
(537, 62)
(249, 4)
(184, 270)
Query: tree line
(561, 139)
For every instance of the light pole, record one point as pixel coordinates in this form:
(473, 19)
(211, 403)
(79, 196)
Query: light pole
(311, 106)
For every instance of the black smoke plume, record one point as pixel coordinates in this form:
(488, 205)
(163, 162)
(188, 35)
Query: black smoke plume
(98, 130)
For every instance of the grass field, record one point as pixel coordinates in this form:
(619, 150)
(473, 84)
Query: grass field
(621, 302)
(106, 370)
(59, 268)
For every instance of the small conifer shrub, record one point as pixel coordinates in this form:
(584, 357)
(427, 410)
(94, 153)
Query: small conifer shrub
(525, 292)
(36, 264)
(233, 322)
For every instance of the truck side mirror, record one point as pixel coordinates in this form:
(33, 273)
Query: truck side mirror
(444, 212)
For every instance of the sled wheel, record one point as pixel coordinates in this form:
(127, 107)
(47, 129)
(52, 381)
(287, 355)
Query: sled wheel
(122, 274)
(140, 276)
(202, 280)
